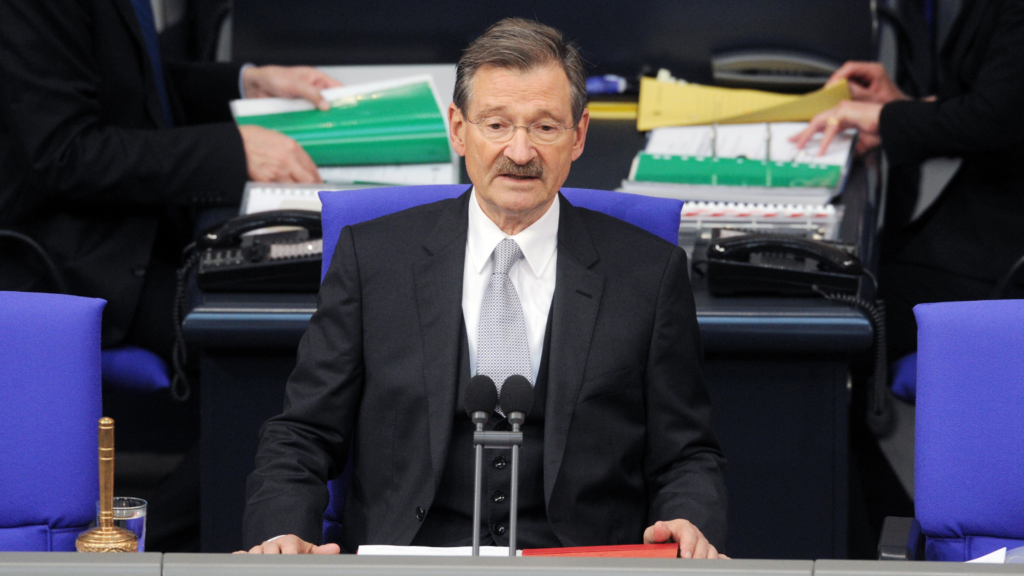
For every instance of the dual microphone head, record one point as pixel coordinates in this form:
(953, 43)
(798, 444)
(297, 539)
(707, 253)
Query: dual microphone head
(481, 398)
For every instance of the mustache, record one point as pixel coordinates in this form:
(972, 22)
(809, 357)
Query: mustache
(531, 169)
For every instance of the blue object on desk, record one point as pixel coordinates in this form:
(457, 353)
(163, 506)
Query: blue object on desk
(607, 84)
(50, 406)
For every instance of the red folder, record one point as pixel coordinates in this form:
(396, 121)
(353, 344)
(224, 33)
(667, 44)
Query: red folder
(668, 550)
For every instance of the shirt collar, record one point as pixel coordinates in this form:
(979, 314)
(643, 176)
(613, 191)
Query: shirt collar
(538, 241)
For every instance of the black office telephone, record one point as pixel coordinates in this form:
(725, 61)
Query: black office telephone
(287, 261)
(779, 264)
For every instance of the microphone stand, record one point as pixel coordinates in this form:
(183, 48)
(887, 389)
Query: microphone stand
(483, 440)
(478, 418)
(516, 419)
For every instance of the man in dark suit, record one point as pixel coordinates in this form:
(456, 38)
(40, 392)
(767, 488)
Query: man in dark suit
(969, 238)
(104, 149)
(508, 278)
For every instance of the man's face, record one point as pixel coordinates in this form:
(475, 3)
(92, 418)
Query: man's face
(517, 178)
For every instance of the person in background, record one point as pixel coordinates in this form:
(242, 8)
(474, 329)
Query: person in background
(970, 237)
(107, 152)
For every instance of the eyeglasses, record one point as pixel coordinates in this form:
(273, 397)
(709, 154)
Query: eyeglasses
(497, 129)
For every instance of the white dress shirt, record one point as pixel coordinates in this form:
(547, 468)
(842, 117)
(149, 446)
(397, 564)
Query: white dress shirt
(533, 276)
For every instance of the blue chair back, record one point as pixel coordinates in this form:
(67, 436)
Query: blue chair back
(969, 470)
(659, 216)
(50, 405)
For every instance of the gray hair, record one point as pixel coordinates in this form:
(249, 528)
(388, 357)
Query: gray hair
(522, 45)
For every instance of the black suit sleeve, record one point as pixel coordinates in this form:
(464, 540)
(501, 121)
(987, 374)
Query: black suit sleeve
(683, 463)
(204, 89)
(73, 147)
(988, 117)
(308, 444)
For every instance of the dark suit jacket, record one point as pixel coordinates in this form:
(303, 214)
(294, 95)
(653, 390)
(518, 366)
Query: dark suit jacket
(974, 229)
(87, 164)
(627, 436)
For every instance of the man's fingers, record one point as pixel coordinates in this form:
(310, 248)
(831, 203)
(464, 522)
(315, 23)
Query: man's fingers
(290, 546)
(258, 549)
(712, 551)
(687, 539)
(308, 166)
(813, 127)
(327, 549)
(700, 550)
(832, 127)
(858, 92)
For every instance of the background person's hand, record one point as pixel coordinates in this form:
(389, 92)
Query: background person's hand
(273, 157)
(692, 544)
(287, 82)
(848, 114)
(869, 82)
(291, 544)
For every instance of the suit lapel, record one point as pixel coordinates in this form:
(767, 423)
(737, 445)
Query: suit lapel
(131, 20)
(439, 303)
(575, 305)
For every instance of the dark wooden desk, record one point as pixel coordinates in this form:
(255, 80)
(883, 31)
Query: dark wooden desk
(777, 369)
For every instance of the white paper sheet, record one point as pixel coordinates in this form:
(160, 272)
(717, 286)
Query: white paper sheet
(997, 557)
(749, 141)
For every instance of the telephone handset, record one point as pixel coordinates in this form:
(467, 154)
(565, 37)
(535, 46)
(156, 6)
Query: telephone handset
(286, 261)
(777, 264)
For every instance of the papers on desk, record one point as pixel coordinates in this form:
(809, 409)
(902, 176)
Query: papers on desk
(747, 176)
(675, 103)
(749, 141)
(381, 550)
(390, 122)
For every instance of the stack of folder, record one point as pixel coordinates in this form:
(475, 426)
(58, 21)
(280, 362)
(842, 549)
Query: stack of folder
(726, 153)
(391, 132)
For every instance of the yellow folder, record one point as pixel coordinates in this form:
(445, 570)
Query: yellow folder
(674, 104)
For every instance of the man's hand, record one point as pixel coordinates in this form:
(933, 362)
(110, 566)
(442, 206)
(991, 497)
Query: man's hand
(287, 82)
(869, 82)
(291, 544)
(273, 157)
(692, 544)
(863, 116)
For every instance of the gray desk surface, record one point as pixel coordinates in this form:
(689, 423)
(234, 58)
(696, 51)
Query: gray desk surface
(155, 564)
(74, 564)
(870, 568)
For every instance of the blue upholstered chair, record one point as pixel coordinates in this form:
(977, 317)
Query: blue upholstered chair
(969, 476)
(660, 216)
(50, 404)
(124, 368)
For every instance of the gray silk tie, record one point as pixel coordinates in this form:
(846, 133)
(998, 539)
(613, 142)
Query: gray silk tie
(502, 348)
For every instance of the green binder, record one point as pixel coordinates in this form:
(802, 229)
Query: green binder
(387, 124)
(732, 172)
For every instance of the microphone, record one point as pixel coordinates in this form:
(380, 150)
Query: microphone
(516, 403)
(479, 399)
(516, 399)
